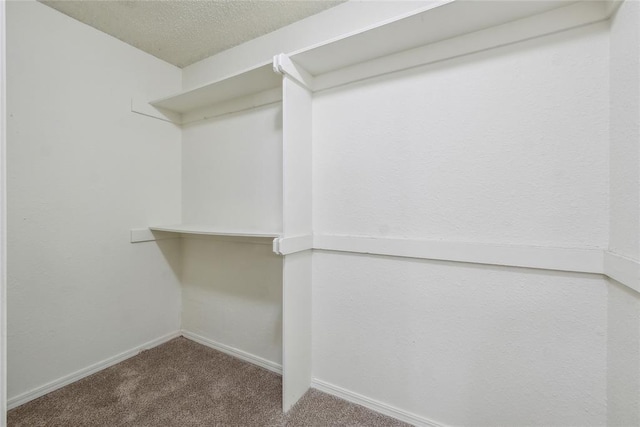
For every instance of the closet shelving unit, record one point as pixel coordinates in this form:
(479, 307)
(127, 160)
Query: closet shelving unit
(442, 30)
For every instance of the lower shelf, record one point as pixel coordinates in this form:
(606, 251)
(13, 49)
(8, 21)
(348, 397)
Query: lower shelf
(209, 230)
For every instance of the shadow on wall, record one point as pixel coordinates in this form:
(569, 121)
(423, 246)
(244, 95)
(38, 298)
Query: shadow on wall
(169, 245)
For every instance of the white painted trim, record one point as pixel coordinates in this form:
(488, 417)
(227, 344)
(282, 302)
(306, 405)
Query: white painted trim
(3, 218)
(553, 21)
(89, 370)
(291, 245)
(374, 405)
(231, 351)
(546, 258)
(622, 269)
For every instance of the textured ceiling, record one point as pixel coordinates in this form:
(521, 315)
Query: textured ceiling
(184, 31)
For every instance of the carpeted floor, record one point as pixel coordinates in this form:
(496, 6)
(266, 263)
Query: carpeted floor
(182, 383)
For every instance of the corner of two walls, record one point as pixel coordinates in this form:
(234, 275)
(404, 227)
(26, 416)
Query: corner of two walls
(239, 308)
(623, 332)
(232, 287)
(82, 171)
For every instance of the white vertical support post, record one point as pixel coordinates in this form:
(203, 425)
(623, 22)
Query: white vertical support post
(297, 221)
(3, 217)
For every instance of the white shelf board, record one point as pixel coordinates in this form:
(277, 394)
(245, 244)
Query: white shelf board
(439, 21)
(209, 230)
(252, 81)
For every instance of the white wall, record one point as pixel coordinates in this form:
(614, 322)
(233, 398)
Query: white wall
(232, 171)
(82, 171)
(232, 180)
(623, 385)
(504, 146)
(462, 344)
(3, 221)
(625, 131)
(234, 298)
(232, 295)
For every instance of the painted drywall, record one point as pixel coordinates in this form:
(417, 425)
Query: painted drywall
(462, 344)
(82, 171)
(623, 373)
(183, 32)
(232, 180)
(506, 146)
(232, 171)
(3, 221)
(487, 148)
(625, 131)
(332, 23)
(232, 294)
(512, 346)
(623, 356)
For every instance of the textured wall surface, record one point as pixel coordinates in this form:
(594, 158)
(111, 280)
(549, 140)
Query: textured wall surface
(232, 171)
(625, 131)
(623, 375)
(82, 171)
(504, 146)
(232, 294)
(462, 344)
(232, 179)
(623, 356)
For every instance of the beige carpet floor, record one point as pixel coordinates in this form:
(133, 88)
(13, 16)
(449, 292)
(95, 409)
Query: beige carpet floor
(182, 383)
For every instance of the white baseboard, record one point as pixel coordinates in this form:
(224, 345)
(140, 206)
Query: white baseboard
(374, 405)
(28, 396)
(231, 351)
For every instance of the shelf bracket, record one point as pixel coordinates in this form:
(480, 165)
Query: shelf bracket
(292, 245)
(282, 64)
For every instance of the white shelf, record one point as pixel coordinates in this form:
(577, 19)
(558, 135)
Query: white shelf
(247, 89)
(209, 230)
(248, 82)
(440, 31)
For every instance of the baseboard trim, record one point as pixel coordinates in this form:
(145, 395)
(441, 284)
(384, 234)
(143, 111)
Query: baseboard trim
(231, 351)
(374, 405)
(28, 396)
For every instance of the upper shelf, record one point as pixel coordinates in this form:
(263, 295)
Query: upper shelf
(438, 21)
(444, 29)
